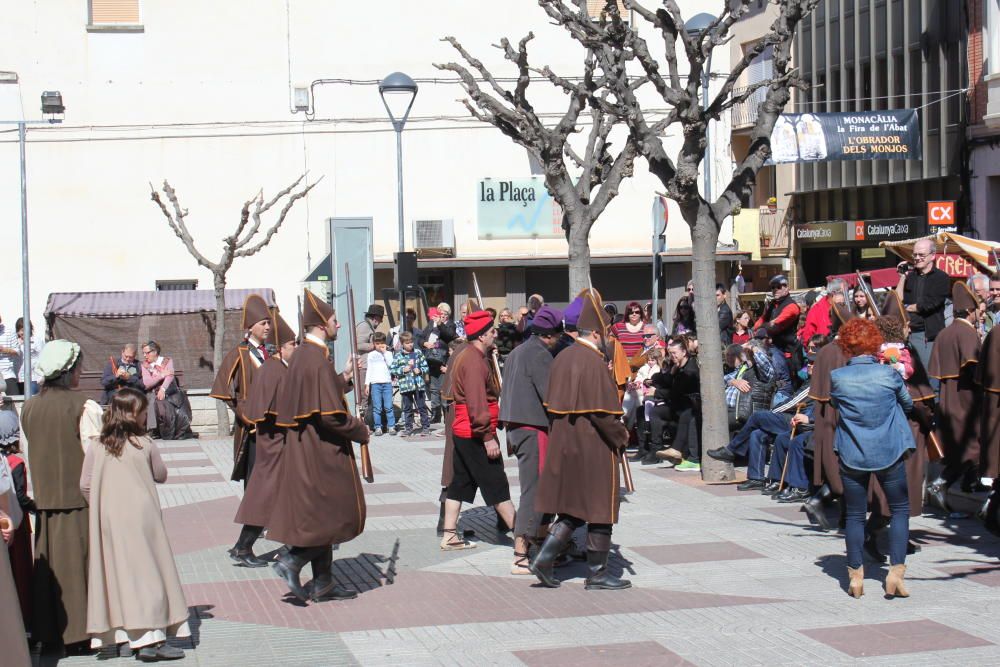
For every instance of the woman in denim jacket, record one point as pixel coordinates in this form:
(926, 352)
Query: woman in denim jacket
(873, 437)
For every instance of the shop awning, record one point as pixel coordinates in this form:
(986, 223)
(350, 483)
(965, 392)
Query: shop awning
(958, 256)
(877, 278)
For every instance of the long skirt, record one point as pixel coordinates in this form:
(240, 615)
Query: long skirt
(12, 638)
(59, 602)
(21, 566)
(171, 416)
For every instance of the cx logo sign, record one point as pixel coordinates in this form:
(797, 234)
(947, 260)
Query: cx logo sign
(859, 230)
(941, 213)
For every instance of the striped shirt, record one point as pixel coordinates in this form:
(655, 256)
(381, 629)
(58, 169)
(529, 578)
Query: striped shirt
(631, 342)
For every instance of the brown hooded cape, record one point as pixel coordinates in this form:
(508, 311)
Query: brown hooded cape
(232, 386)
(988, 379)
(826, 465)
(261, 409)
(321, 500)
(953, 362)
(580, 477)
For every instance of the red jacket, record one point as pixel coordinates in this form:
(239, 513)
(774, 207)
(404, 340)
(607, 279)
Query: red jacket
(817, 321)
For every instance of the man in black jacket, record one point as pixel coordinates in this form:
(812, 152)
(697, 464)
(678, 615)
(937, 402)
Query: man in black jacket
(923, 290)
(725, 314)
(122, 373)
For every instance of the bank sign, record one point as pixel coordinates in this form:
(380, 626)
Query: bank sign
(517, 208)
(894, 229)
(891, 134)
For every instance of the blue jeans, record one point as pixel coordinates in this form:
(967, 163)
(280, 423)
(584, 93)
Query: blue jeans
(893, 481)
(382, 400)
(413, 401)
(794, 449)
(754, 437)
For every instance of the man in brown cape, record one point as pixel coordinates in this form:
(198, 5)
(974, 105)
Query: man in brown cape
(988, 379)
(579, 482)
(232, 386)
(953, 364)
(261, 409)
(321, 501)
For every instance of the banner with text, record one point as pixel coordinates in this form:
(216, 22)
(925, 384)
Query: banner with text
(890, 134)
(517, 208)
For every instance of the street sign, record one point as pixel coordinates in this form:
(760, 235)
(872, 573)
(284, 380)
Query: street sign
(941, 213)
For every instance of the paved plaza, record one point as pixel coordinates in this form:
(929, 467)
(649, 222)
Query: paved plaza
(720, 578)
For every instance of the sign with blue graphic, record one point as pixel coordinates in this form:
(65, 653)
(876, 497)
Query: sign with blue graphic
(517, 208)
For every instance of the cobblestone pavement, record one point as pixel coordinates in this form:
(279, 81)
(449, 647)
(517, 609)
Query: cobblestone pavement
(720, 578)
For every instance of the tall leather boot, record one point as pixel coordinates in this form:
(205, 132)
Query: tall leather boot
(542, 566)
(290, 565)
(324, 587)
(242, 553)
(598, 551)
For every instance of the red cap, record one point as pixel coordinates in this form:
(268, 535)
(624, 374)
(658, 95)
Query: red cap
(476, 323)
(433, 312)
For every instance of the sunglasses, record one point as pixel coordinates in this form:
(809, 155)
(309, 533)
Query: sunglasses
(649, 335)
(635, 312)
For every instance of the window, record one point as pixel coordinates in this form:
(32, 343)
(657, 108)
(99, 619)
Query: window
(114, 16)
(176, 285)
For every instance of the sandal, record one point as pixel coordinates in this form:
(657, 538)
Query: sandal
(521, 564)
(452, 545)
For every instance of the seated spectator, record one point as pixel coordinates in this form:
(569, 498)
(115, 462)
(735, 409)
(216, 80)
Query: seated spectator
(171, 416)
(818, 320)
(861, 308)
(629, 333)
(749, 385)
(741, 327)
(684, 321)
(782, 377)
(788, 460)
(644, 402)
(125, 372)
(682, 407)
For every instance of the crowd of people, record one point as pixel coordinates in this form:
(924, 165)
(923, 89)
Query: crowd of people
(837, 399)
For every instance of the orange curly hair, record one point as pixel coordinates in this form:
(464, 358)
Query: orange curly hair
(860, 336)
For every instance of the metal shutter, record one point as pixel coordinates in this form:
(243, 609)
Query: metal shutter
(103, 12)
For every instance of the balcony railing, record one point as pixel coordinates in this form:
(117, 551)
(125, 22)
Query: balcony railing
(745, 113)
(774, 231)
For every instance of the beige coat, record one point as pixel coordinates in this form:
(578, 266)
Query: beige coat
(133, 583)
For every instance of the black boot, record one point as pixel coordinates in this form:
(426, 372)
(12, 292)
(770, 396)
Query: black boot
(559, 535)
(641, 444)
(290, 565)
(815, 507)
(324, 588)
(242, 553)
(598, 550)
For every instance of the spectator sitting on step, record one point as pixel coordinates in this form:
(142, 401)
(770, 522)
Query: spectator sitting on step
(125, 372)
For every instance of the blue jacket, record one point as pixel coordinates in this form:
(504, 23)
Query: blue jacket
(872, 431)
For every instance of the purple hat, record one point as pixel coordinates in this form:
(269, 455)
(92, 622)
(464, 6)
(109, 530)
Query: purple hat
(572, 313)
(547, 321)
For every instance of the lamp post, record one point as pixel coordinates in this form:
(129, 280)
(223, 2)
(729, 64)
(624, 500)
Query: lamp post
(696, 25)
(401, 90)
(52, 106)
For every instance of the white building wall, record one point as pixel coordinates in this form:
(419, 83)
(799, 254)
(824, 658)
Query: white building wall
(202, 97)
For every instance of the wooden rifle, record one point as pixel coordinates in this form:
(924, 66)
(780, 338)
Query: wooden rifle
(626, 469)
(784, 468)
(494, 357)
(366, 462)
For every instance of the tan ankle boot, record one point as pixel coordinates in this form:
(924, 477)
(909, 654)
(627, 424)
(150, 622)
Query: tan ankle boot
(857, 586)
(894, 582)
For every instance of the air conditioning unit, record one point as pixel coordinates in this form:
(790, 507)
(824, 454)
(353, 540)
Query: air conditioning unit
(434, 238)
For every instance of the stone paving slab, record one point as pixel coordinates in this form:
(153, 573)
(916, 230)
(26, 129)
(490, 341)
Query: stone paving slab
(719, 577)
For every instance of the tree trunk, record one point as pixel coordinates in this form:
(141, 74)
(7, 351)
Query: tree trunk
(578, 238)
(714, 418)
(221, 411)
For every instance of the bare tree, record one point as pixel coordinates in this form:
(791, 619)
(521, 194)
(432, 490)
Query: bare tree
(243, 242)
(613, 40)
(583, 180)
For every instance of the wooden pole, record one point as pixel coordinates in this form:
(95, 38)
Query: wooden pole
(784, 468)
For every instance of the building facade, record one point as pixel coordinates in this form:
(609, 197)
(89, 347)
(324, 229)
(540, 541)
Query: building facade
(204, 96)
(983, 133)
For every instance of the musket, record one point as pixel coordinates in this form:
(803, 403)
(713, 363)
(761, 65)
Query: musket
(869, 295)
(494, 357)
(784, 468)
(366, 461)
(626, 469)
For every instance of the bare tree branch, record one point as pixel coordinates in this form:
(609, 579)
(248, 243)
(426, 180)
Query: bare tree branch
(251, 250)
(177, 225)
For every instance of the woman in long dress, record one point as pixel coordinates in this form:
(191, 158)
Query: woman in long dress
(57, 426)
(135, 591)
(12, 637)
(170, 411)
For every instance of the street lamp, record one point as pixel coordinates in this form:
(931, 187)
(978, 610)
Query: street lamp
(398, 92)
(52, 106)
(695, 26)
